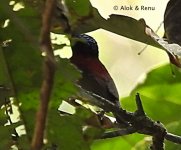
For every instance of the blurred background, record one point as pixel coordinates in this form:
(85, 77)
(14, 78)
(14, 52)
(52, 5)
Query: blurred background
(120, 54)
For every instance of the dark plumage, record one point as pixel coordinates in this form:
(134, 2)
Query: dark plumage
(95, 77)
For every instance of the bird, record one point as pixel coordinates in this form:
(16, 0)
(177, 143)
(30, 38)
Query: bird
(95, 76)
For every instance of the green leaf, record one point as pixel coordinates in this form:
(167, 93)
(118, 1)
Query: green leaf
(123, 25)
(25, 65)
(125, 142)
(162, 75)
(3, 15)
(29, 104)
(5, 134)
(23, 143)
(5, 84)
(6, 131)
(23, 53)
(175, 128)
(3, 118)
(6, 141)
(23, 60)
(157, 109)
(92, 133)
(64, 82)
(83, 113)
(92, 129)
(128, 27)
(65, 132)
(85, 18)
(143, 144)
(160, 94)
(78, 9)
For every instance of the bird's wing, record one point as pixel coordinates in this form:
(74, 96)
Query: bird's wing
(108, 84)
(112, 89)
(101, 85)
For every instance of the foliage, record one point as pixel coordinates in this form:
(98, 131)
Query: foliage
(21, 78)
(160, 92)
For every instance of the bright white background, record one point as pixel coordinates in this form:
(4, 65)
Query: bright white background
(119, 54)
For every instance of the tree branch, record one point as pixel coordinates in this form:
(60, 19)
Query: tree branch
(48, 73)
(158, 137)
(120, 132)
(130, 130)
(140, 110)
(173, 138)
(138, 121)
(104, 104)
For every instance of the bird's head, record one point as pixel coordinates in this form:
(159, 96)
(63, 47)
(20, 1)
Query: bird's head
(85, 45)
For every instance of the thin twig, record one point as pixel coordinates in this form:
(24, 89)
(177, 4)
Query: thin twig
(173, 138)
(121, 132)
(48, 72)
(130, 130)
(145, 47)
(140, 109)
(105, 104)
(139, 121)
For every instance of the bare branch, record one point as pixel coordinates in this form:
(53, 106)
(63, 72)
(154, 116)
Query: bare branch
(130, 130)
(138, 121)
(105, 104)
(173, 138)
(120, 132)
(158, 137)
(140, 109)
(48, 72)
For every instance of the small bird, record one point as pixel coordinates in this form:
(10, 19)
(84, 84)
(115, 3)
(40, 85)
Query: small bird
(95, 77)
